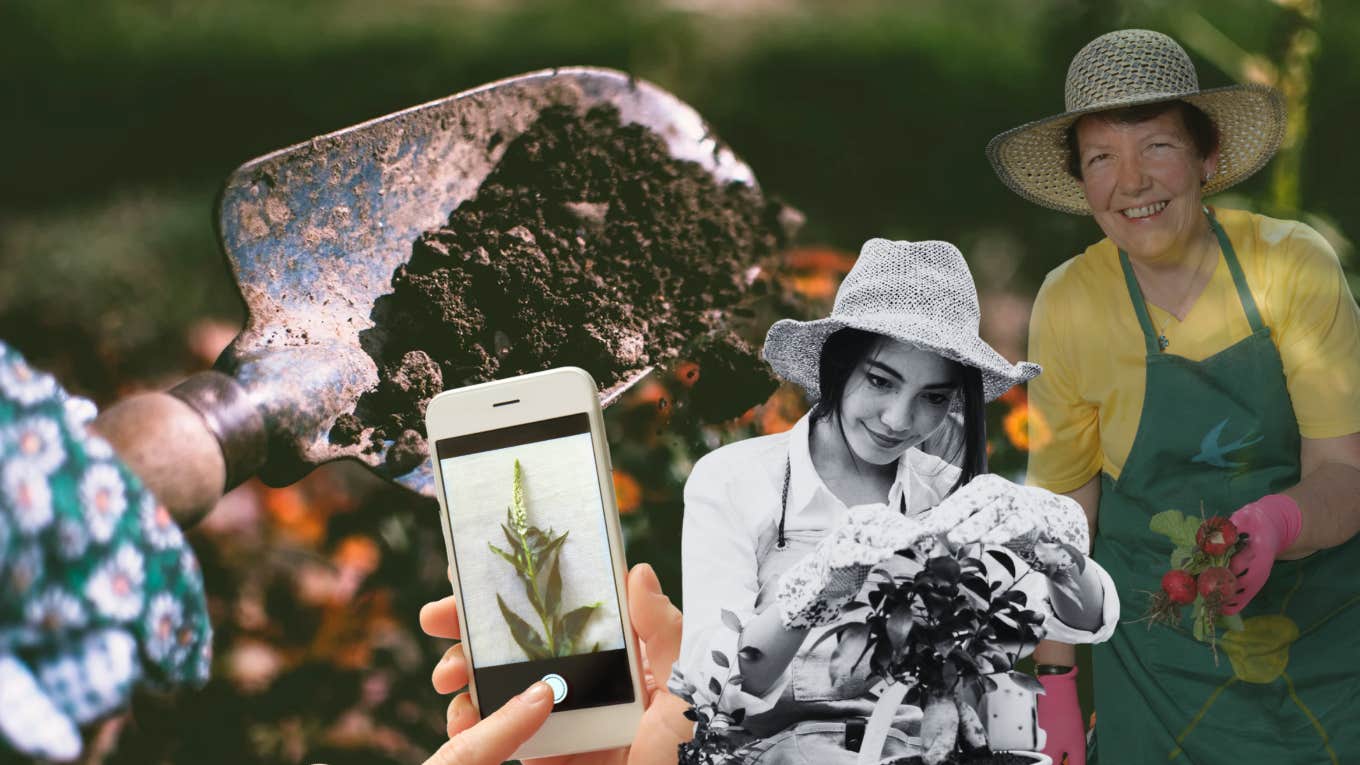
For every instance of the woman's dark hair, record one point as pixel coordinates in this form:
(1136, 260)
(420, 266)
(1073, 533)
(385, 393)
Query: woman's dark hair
(847, 348)
(1201, 129)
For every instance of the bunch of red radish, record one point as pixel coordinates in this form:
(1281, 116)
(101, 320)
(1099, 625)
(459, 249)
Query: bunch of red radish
(1203, 581)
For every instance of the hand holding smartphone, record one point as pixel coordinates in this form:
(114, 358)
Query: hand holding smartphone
(476, 741)
(527, 507)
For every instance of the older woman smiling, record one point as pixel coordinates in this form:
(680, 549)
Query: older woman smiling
(1196, 359)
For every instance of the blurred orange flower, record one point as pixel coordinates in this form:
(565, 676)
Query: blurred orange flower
(817, 271)
(627, 491)
(649, 392)
(290, 511)
(359, 553)
(820, 259)
(781, 411)
(772, 421)
(348, 633)
(1026, 428)
(815, 286)
(1016, 424)
(687, 372)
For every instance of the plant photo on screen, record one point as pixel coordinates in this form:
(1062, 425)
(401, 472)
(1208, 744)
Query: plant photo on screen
(532, 552)
(531, 546)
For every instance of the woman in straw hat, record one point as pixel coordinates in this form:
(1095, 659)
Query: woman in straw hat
(762, 517)
(1196, 358)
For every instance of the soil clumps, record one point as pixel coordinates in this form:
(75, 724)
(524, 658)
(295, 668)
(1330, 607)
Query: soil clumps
(587, 245)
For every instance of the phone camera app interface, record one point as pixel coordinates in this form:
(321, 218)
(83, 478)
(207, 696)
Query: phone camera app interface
(534, 565)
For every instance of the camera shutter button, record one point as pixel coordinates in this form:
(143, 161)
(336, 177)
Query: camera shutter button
(558, 685)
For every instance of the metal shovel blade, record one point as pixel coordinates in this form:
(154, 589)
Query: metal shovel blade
(314, 232)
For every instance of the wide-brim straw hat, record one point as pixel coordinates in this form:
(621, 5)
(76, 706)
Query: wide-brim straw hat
(1132, 67)
(920, 293)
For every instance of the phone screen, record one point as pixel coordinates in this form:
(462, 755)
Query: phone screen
(534, 564)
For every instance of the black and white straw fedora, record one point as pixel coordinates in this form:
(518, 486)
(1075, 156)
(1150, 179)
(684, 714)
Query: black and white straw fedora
(1131, 67)
(920, 293)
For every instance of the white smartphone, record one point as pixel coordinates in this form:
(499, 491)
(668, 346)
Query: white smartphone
(526, 499)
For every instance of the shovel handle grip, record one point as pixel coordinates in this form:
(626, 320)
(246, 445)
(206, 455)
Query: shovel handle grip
(189, 445)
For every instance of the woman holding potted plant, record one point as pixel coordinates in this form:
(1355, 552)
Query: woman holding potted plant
(782, 531)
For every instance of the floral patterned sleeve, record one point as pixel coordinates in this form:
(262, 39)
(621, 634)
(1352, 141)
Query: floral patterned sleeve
(99, 591)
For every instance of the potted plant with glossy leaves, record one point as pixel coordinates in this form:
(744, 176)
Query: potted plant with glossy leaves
(939, 626)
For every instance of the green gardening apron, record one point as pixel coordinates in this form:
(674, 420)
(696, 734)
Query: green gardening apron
(1221, 433)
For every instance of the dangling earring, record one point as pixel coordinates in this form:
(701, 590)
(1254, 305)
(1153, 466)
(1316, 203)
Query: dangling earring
(1207, 176)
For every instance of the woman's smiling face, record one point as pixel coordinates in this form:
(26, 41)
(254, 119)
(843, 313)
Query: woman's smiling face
(1143, 182)
(896, 397)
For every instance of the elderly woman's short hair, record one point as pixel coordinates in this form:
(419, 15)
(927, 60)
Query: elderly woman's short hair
(1201, 129)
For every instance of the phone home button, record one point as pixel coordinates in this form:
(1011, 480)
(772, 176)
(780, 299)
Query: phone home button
(558, 685)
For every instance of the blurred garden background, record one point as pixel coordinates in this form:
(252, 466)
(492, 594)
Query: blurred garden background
(120, 121)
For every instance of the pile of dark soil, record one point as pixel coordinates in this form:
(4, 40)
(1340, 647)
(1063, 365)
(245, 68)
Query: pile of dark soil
(587, 245)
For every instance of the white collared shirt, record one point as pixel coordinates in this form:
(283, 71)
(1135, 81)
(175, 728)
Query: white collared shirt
(732, 499)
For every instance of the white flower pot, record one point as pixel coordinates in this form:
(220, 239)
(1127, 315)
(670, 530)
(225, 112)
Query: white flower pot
(1010, 716)
(1009, 707)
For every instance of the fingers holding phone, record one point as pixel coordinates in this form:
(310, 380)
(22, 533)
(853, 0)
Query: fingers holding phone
(658, 627)
(530, 523)
(450, 674)
(440, 618)
(656, 621)
(473, 741)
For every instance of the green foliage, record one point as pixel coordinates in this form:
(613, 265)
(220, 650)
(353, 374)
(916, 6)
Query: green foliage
(1176, 526)
(1182, 555)
(1202, 628)
(532, 552)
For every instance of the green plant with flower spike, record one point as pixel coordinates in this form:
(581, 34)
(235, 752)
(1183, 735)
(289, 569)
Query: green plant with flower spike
(532, 553)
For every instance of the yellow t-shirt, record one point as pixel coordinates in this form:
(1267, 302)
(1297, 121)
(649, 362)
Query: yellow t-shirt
(1086, 405)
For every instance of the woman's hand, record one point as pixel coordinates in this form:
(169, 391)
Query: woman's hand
(983, 493)
(1059, 715)
(1271, 524)
(812, 592)
(474, 741)
(992, 510)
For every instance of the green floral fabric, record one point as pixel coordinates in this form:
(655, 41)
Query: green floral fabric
(98, 589)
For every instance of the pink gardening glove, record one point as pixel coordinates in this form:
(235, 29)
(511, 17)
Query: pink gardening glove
(1060, 717)
(1271, 524)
